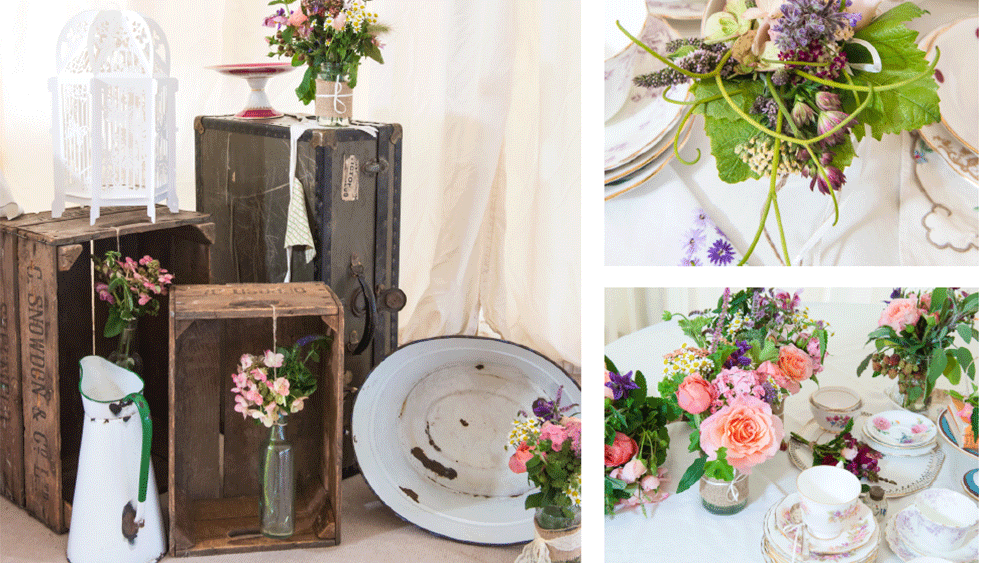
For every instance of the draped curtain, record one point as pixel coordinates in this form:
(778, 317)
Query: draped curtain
(488, 95)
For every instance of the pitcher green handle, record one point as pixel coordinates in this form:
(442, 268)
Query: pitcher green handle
(147, 439)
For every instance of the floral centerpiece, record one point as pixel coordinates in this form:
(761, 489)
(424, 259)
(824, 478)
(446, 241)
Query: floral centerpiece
(755, 349)
(635, 441)
(130, 288)
(856, 456)
(915, 342)
(329, 37)
(547, 448)
(783, 84)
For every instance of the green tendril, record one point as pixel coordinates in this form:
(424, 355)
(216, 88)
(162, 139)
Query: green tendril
(850, 81)
(882, 88)
(678, 102)
(662, 59)
(677, 134)
(760, 228)
(797, 63)
(781, 105)
(774, 193)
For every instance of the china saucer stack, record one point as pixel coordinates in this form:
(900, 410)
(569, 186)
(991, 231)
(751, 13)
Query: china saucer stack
(787, 540)
(911, 533)
(900, 433)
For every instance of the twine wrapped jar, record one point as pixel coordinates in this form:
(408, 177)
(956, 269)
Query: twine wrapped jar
(334, 96)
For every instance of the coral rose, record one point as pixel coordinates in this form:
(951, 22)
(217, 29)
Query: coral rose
(769, 370)
(694, 394)
(520, 458)
(794, 363)
(746, 428)
(900, 313)
(619, 452)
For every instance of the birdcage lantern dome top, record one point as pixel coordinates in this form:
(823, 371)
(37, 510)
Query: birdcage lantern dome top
(112, 42)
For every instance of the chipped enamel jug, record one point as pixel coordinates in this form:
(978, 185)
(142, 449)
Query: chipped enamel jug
(116, 513)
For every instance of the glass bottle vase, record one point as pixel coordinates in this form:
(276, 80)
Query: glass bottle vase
(125, 355)
(277, 484)
(334, 96)
(911, 391)
(561, 532)
(725, 497)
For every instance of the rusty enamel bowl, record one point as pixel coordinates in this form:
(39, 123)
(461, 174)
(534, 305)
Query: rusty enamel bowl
(430, 425)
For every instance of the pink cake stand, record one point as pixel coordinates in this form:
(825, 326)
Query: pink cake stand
(258, 106)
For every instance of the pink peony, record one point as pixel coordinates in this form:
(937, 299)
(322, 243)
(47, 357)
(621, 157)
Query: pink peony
(900, 313)
(520, 458)
(623, 449)
(748, 431)
(694, 394)
(554, 432)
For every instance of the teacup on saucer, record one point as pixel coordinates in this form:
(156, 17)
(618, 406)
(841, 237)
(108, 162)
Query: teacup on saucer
(915, 541)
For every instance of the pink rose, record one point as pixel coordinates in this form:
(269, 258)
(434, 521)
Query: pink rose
(619, 452)
(608, 392)
(813, 349)
(694, 394)
(297, 18)
(554, 432)
(650, 483)
(746, 428)
(630, 472)
(924, 302)
(900, 313)
(794, 363)
(520, 458)
(770, 370)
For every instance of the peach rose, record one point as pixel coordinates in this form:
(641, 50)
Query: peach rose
(619, 452)
(694, 394)
(746, 428)
(520, 458)
(768, 370)
(900, 313)
(297, 19)
(794, 363)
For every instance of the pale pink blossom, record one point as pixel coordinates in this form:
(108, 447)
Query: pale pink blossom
(608, 392)
(554, 432)
(273, 360)
(246, 360)
(281, 386)
(340, 21)
(900, 313)
(298, 404)
(630, 472)
(258, 374)
(297, 18)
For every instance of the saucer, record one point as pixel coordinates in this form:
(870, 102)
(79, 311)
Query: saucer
(901, 429)
(895, 451)
(905, 530)
(856, 533)
(957, 75)
(781, 548)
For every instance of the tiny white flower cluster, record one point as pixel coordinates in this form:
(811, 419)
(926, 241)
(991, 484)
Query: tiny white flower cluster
(687, 361)
(573, 490)
(737, 323)
(357, 15)
(524, 431)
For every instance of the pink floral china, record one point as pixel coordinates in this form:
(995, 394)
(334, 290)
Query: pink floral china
(827, 497)
(833, 407)
(904, 546)
(780, 548)
(620, 54)
(901, 429)
(858, 529)
(896, 451)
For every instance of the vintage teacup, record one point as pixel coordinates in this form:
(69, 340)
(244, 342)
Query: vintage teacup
(828, 498)
(620, 53)
(833, 407)
(945, 520)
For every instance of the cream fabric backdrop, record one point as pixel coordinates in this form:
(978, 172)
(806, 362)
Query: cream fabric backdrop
(488, 95)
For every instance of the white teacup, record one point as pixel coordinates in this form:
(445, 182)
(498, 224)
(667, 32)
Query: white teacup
(828, 497)
(945, 520)
(620, 53)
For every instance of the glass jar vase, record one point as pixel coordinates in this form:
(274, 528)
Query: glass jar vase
(125, 355)
(277, 484)
(334, 96)
(561, 532)
(725, 497)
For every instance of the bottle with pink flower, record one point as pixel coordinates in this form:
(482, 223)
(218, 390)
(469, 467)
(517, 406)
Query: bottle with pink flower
(267, 390)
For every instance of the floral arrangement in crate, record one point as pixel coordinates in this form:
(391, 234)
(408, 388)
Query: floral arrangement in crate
(751, 352)
(341, 32)
(783, 83)
(129, 287)
(635, 441)
(276, 384)
(915, 341)
(547, 447)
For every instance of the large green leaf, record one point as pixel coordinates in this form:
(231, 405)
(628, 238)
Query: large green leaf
(693, 474)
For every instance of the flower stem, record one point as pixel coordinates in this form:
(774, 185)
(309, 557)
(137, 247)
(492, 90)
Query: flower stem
(781, 105)
(760, 228)
(881, 88)
(850, 81)
(799, 63)
(662, 59)
(774, 194)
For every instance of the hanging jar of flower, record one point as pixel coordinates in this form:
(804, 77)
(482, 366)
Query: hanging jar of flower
(329, 37)
(130, 288)
(268, 389)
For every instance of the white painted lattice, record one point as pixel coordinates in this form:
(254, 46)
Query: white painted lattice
(113, 114)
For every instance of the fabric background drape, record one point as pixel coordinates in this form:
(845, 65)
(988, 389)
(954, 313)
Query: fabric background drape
(488, 95)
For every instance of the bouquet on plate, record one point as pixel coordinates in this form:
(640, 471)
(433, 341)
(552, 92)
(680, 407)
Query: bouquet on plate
(752, 351)
(783, 84)
(547, 448)
(914, 341)
(857, 457)
(635, 441)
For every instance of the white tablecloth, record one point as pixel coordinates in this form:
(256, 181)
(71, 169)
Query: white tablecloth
(679, 528)
(648, 225)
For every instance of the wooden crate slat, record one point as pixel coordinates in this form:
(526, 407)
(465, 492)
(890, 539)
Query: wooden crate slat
(254, 300)
(11, 417)
(124, 222)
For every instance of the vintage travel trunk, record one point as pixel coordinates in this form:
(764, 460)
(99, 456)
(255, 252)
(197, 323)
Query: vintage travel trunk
(351, 179)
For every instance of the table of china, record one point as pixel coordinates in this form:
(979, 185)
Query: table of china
(681, 527)
(909, 199)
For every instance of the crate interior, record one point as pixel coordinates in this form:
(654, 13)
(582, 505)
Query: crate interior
(184, 253)
(217, 451)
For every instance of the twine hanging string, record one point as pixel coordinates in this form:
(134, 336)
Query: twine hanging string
(538, 550)
(799, 536)
(274, 329)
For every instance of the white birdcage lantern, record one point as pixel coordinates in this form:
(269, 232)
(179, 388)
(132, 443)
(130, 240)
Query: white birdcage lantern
(113, 114)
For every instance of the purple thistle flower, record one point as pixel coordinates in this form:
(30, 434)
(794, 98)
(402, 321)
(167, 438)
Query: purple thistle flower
(620, 384)
(828, 120)
(836, 180)
(721, 253)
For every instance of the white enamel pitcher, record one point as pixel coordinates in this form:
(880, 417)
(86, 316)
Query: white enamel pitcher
(116, 513)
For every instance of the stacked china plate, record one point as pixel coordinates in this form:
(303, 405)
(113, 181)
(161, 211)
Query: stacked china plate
(786, 538)
(941, 523)
(900, 433)
(639, 124)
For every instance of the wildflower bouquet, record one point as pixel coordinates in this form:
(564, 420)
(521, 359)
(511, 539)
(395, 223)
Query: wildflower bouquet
(915, 341)
(547, 448)
(756, 348)
(129, 287)
(857, 456)
(277, 383)
(341, 32)
(782, 83)
(635, 441)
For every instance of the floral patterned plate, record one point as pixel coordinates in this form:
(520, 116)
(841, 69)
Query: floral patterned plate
(645, 118)
(634, 180)
(677, 9)
(905, 529)
(859, 529)
(957, 75)
(901, 429)
(780, 547)
(909, 474)
(891, 451)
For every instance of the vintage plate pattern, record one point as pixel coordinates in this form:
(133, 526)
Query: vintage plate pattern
(970, 482)
(906, 530)
(952, 218)
(957, 75)
(645, 117)
(949, 435)
(634, 180)
(901, 429)
(911, 474)
(889, 450)
(666, 142)
(856, 533)
(677, 9)
(780, 547)
(430, 428)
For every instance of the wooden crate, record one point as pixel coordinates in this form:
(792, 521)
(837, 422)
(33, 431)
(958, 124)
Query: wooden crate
(213, 451)
(46, 326)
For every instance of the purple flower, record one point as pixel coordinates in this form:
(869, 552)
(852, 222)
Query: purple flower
(550, 410)
(690, 261)
(695, 239)
(701, 219)
(802, 113)
(835, 176)
(721, 253)
(829, 120)
(828, 101)
(620, 384)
